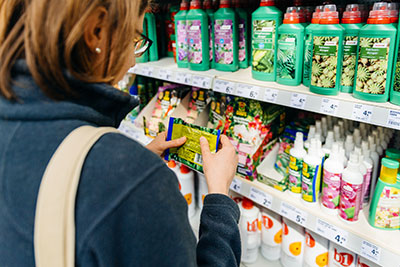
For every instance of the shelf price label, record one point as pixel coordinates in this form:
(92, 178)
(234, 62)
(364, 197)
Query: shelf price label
(134, 69)
(183, 78)
(224, 87)
(298, 101)
(293, 213)
(370, 251)
(147, 71)
(270, 95)
(236, 185)
(201, 81)
(329, 106)
(394, 119)
(332, 232)
(247, 91)
(260, 197)
(165, 74)
(362, 113)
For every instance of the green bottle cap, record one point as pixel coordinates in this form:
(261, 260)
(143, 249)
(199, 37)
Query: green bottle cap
(390, 163)
(393, 153)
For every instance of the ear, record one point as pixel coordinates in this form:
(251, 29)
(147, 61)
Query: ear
(95, 30)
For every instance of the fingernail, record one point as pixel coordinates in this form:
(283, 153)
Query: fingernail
(202, 139)
(183, 138)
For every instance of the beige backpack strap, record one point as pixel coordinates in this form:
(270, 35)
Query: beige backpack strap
(54, 232)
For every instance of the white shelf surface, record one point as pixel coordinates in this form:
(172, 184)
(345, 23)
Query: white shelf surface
(241, 83)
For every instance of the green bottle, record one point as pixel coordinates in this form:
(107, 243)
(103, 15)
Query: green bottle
(152, 35)
(352, 24)
(265, 22)
(394, 13)
(327, 54)
(180, 36)
(210, 12)
(384, 211)
(226, 38)
(308, 45)
(243, 25)
(197, 34)
(290, 49)
(395, 87)
(145, 57)
(375, 56)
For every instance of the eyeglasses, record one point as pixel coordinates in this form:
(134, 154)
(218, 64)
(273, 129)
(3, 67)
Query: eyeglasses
(142, 45)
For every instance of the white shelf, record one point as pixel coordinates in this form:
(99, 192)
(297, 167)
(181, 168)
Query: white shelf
(241, 83)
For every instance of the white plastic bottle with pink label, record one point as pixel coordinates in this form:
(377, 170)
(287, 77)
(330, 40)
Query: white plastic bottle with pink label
(341, 257)
(316, 250)
(249, 230)
(293, 242)
(271, 235)
(369, 164)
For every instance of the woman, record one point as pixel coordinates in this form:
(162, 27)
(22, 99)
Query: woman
(58, 60)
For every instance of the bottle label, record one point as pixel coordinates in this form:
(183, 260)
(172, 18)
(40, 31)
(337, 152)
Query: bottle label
(350, 201)
(242, 39)
(286, 59)
(295, 169)
(210, 34)
(324, 61)
(182, 41)
(223, 41)
(310, 182)
(331, 189)
(307, 57)
(195, 44)
(349, 60)
(263, 43)
(372, 65)
(388, 210)
(396, 83)
(366, 185)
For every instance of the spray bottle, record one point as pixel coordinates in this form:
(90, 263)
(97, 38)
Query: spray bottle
(375, 159)
(369, 164)
(181, 36)
(297, 154)
(311, 174)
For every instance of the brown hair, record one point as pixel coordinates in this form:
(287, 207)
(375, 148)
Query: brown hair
(49, 35)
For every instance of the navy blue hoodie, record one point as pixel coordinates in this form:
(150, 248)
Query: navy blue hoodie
(129, 211)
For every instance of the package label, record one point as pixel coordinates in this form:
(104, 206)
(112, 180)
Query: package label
(307, 57)
(331, 189)
(396, 83)
(210, 34)
(223, 29)
(295, 169)
(263, 43)
(195, 43)
(349, 60)
(388, 209)
(324, 61)
(310, 179)
(182, 41)
(242, 39)
(286, 59)
(350, 201)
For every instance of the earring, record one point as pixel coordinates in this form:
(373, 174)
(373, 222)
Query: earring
(98, 50)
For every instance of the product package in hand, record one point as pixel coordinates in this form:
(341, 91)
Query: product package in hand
(190, 153)
(198, 101)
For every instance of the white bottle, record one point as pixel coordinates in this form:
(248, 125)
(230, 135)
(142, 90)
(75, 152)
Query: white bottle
(311, 134)
(382, 139)
(202, 190)
(342, 154)
(249, 232)
(316, 250)
(351, 190)
(369, 164)
(363, 262)
(341, 257)
(328, 144)
(293, 242)
(363, 130)
(324, 126)
(349, 145)
(186, 181)
(341, 127)
(364, 172)
(332, 177)
(351, 126)
(174, 167)
(297, 154)
(318, 130)
(311, 175)
(271, 235)
(375, 172)
(379, 148)
(336, 132)
(330, 123)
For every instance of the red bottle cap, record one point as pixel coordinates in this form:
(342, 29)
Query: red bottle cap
(171, 164)
(236, 4)
(247, 204)
(185, 169)
(352, 14)
(292, 16)
(297, 3)
(207, 4)
(379, 14)
(224, 4)
(267, 3)
(329, 15)
(393, 12)
(195, 4)
(302, 14)
(184, 5)
(317, 14)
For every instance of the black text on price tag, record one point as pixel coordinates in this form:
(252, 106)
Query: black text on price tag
(183, 78)
(370, 251)
(260, 197)
(236, 185)
(362, 113)
(224, 87)
(201, 81)
(332, 232)
(298, 101)
(293, 213)
(270, 95)
(394, 119)
(165, 74)
(329, 106)
(248, 91)
(147, 71)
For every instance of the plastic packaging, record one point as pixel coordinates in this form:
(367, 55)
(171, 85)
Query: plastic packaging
(395, 86)
(249, 231)
(271, 235)
(316, 250)
(210, 12)
(243, 25)
(297, 154)
(202, 190)
(293, 244)
(311, 174)
(349, 145)
(341, 257)
(181, 36)
(186, 185)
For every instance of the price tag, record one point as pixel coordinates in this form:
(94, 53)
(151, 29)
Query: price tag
(271, 95)
(329, 106)
(298, 100)
(248, 91)
(332, 232)
(224, 87)
(236, 185)
(260, 197)
(184, 78)
(370, 251)
(362, 113)
(202, 82)
(165, 74)
(394, 119)
(134, 69)
(147, 71)
(293, 213)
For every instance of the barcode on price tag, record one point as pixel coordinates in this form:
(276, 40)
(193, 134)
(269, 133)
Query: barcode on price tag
(165, 74)
(147, 71)
(293, 213)
(394, 119)
(236, 185)
(260, 197)
(183, 78)
(362, 113)
(248, 91)
(270, 95)
(224, 87)
(370, 251)
(298, 100)
(201, 81)
(332, 232)
(329, 106)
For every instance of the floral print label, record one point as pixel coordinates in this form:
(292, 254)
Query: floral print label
(307, 57)
(286, 60)
(263, 42)
(295, 169)
(210, 34)
(242, 39)
(349, 206)
(366, 187)
(388, 209)
(331, 189)
(223, 41)
(310, 185)
(396, 83)
(182, 41)
(349, 60)
(324, 61)
(372, 65)
(195, 44)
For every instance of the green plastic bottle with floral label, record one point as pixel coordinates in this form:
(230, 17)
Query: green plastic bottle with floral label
(243, 31)
(207, 4)
(181, 36)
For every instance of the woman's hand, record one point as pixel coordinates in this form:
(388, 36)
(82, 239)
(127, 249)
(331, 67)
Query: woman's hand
(219, 168)
(159, 145)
